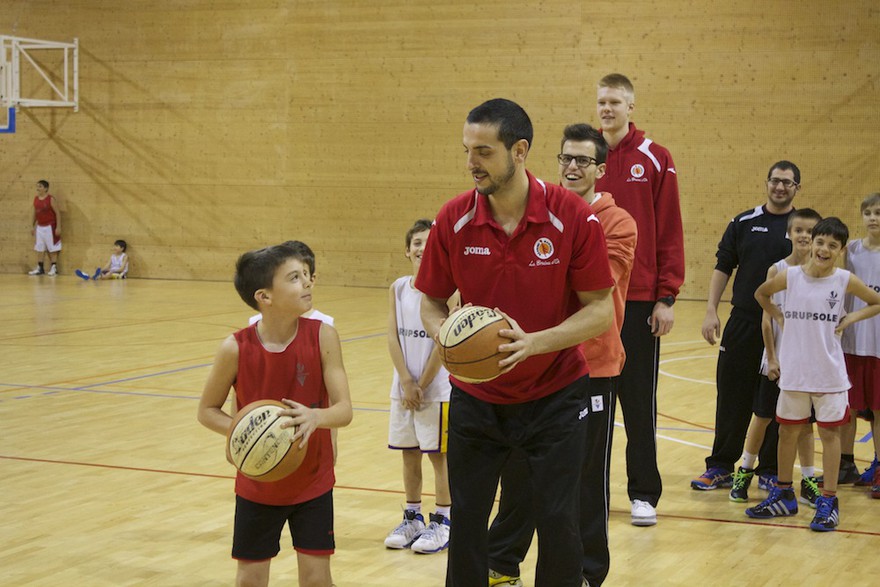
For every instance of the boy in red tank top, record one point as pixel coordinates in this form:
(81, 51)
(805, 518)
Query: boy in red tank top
(298, 361)
(46, 228)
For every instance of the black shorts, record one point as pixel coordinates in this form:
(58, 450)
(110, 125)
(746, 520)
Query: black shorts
(258, 528)
(766, 396)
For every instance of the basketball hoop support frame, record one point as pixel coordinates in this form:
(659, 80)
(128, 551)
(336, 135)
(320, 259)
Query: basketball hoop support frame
(14, 55)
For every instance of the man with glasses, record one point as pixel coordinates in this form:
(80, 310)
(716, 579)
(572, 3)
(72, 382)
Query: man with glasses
(753, 241)
(581, 162)
(641, 175)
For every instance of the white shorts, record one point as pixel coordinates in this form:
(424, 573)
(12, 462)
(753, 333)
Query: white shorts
(795, 407)
(45, 240)
(426, 429)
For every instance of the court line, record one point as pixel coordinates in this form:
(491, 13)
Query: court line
(626, 513)
(147, 376)
(681, 377)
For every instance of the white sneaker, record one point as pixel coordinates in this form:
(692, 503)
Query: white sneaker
(407, 531)
(643, 513)
(435, 536)
(36, 271)
(53, 271)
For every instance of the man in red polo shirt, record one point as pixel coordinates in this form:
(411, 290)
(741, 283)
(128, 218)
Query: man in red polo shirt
(536, 252)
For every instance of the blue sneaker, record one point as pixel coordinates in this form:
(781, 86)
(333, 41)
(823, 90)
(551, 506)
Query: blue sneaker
(767, 482)
(97, 273)
(867, 478)
(713, 478)
(827, 515)
(81, 275)
(780, 503)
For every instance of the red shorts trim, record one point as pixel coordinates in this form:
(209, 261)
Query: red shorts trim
(784, 422)
(864, 375)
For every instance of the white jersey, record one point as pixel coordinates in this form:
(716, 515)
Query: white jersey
(117, 264)
(313, 314)
(415, 343)
(811, 358)
(779, 300)
(862, 338)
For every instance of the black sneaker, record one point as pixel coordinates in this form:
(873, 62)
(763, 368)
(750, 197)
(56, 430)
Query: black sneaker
(848, 474)
(741, 481)
(810, 493)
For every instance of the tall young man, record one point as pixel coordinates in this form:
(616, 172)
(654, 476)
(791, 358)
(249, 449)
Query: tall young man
(641, 175)
(537, 252)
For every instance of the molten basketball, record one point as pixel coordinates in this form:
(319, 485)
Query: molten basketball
(259, 447)
(469, 343)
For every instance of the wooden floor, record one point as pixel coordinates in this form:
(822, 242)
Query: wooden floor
(108, 480)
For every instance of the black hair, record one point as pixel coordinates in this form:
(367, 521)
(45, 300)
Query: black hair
(786, 166)
(833, 227)
(582, 132)
(255, 270)
(512, 121)
(122, 245)
(804, 213)
(306, 255)
(44, 183)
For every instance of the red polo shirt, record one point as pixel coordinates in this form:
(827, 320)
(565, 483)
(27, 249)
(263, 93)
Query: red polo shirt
(557, 249)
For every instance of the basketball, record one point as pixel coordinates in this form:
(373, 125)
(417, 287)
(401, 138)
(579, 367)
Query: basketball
(469, 343)
(259, 447)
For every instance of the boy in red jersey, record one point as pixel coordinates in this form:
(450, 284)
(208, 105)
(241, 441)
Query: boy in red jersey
(299, 362)
(641, 175)
(46, 228)
(537, 252)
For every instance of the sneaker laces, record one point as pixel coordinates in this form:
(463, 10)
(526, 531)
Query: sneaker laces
(811, 485)
(824, 507)
(775, 495)
(741, 480)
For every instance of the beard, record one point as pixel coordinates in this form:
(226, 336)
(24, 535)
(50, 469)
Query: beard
(498, 182)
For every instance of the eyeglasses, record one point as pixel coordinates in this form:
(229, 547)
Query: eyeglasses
(786, 183)
(581, 162)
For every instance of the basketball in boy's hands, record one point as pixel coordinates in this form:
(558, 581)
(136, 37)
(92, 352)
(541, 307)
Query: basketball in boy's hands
(469, 343)
(259, 447)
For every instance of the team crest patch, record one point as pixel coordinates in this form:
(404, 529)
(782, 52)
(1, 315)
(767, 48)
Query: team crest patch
(543, 248)
(832, 300)
(637, 170)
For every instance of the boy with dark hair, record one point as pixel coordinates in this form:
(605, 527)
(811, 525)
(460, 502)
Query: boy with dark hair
(812, 369)
(297, 361)
(116, 267)
(46, 228)
(419, 408)
(800, 228)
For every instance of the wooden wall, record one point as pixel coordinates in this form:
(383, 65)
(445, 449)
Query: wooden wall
(207, 128)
